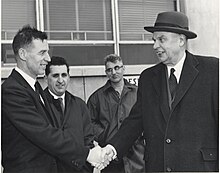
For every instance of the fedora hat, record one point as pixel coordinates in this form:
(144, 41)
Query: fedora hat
(172, 21)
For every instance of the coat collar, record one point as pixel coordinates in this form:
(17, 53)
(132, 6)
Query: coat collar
(159, 79)
(188, 75)
(19, 78)
(127, 86)
(56, 118)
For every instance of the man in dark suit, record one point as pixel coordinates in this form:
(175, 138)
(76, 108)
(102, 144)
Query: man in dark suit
(176, 109)
(70, 111)
(31, 142)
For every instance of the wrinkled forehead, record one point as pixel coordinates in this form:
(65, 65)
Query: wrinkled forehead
(113, 64)
(159, 34)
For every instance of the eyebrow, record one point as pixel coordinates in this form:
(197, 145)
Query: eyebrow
(43, 51)
(161, 36)
(59, 73)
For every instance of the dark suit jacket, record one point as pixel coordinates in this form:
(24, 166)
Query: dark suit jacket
(30, 140)
(76, 118)
(186, 137)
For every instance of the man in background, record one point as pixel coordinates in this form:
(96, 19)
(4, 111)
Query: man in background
(109, 106)
(70, 112)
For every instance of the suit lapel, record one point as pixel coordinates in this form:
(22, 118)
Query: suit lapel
(54, 113)
(67, 108)
(188, 75)
(18, 77)
(160, 85)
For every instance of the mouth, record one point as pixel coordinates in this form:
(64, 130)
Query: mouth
(44, 65)
(60, 86)
(159, 53)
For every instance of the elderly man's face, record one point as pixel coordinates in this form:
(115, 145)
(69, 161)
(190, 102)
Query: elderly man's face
(167, 46)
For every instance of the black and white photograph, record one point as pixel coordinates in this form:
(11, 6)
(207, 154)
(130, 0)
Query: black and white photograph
(109, 86)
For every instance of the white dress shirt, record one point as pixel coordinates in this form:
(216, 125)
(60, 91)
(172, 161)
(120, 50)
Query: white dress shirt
(178, 68)
(56, 97)
(31, 81)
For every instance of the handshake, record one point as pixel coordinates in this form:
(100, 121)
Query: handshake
(101, 157)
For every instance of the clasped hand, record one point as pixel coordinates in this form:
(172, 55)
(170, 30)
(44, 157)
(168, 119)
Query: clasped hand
(100, 157)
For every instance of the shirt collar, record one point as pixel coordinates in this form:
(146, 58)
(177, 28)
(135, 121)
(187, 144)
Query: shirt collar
(55, 96)
(127, 85)
(31, 81)
(178, 67)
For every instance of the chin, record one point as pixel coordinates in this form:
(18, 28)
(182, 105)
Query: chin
(115, 81)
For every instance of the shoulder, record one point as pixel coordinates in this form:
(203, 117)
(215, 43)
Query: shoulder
(97, 93)
(74, 98)
(207, 63)
(11, 83)
(209, 60)
(152, 70)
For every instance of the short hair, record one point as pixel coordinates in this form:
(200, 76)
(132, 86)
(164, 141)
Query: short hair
(25, 36)
(56, 60)
(112, 58)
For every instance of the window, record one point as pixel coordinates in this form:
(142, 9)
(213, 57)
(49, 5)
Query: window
(78, 19)
(82, 54)
(135, 14)
(85, 31)
(15, 14)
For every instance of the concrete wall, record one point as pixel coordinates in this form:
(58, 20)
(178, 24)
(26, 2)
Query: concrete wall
(204, 20)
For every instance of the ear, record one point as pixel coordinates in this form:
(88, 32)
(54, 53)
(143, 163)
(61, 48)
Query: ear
(68, 80)
(123, 68)
(182, 40)
(22, 54)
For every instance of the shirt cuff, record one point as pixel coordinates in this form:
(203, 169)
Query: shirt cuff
(114, 150)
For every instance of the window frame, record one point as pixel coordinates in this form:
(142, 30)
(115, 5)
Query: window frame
(93, 70)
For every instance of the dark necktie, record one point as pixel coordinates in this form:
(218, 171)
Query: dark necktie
(172, 83)
(61, 104)
(37, 87)
(39, 90)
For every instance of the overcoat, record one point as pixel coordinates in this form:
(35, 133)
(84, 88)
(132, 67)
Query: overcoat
(75, 117)
(184, 138)
(30, 140)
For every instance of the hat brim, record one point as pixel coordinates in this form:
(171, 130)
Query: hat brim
(187, 33)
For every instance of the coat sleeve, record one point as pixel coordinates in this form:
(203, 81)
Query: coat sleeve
(93, 105)
(87, 126)
(131, 128)
(23, 109)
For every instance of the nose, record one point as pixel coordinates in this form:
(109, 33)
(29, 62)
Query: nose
(47, 57)
(156, 45)
(60, 79)
(113, 71)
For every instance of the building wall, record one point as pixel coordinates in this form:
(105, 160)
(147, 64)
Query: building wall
(204, 20)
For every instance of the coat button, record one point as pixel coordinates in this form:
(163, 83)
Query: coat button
(169, 169)
(168, 141)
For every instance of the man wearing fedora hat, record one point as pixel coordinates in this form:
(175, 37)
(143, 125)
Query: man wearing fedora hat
(177, 104)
